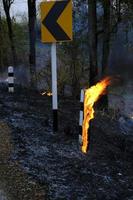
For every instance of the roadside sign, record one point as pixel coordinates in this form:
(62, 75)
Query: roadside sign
(56, 26)
(56, 21)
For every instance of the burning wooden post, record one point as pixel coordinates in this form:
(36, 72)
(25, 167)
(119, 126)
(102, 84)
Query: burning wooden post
(91, 96)
(10, 79)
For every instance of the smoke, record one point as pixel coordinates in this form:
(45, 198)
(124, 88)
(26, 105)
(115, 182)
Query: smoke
(121, 59)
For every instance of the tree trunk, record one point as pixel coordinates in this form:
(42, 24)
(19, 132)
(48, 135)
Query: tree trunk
(11, 37)
(10, 30)
(106, 46)
(75, 82)
(106, 36)
(1, 57)
(32, 41)
(92, 18)
(118, 7)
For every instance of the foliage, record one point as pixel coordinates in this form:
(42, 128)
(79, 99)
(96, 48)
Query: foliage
(73, 57)
(73, 61)
(5, 52)
(43, 77)
(21, 42)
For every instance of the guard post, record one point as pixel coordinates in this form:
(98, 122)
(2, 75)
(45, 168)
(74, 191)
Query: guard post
(10, 79)
(81, 115)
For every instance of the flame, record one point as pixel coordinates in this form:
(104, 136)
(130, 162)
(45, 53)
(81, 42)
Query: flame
(46, 93)
(92, 94)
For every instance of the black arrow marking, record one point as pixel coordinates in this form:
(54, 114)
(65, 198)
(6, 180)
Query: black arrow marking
(50, 22)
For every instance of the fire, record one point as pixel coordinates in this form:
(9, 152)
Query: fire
(92, 94)
(46, 93)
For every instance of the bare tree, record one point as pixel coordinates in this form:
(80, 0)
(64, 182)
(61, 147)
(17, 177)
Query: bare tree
(92, 18)
(1, 63)
(118, 7)
(32, 38)
(105, 47)
(7, 5)
(106, 35)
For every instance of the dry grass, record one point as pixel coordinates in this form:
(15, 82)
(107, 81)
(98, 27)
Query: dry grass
(18, 186)
(15, 184)
(5, 141)
(112, 114)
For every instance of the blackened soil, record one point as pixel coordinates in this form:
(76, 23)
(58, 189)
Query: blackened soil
(55, 159)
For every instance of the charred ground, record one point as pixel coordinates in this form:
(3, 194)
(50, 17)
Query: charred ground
(54, 160)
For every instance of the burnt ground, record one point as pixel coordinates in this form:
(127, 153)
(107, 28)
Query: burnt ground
(54, 160)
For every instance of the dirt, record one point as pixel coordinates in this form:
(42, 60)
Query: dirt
(5, 142)
(15, 184)
(53, 162)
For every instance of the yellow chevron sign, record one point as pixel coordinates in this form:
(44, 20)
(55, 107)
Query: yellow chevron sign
(56, 21)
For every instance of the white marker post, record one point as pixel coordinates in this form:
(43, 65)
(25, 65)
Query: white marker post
(81, 116)
(10, 79)
(54, 87)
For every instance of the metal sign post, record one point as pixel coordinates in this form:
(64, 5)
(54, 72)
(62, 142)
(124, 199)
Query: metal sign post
(54, 15)
(54, 87)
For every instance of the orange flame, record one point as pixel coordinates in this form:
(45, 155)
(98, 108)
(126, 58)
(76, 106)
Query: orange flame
(46, 93)
(92, 94)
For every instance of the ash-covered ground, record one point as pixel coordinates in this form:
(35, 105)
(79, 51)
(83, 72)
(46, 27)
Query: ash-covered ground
(54, 160)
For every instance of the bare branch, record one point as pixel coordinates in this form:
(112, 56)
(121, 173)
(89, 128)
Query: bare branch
(11, 2)
(7, 4)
